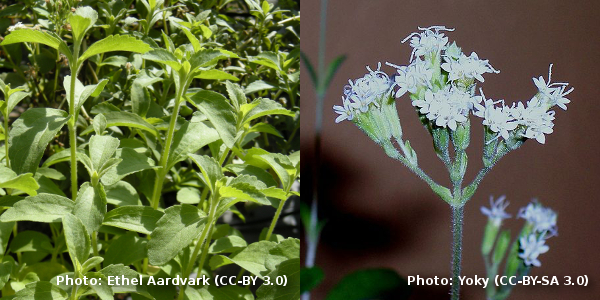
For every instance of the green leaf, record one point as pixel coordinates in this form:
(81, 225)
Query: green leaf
(51, 173)
(188, 139)
(77, 238)
(205, 58)
(216, 75)
(220, 113)
(188, 196)
(47, 208)
(91, 263)
(227, 244)
(123, 118)
(331, 70)
(30, 135)
(291, 269)
(210, 169)
(90, 206)
(266, 128)
(81, 21)
(193, 40)
(6, 267)
(122, 193)
(243, 169)
(263, 107)
(5, 233)
(177, 228)
(127, 249)
(310, 69)
(140, 98)
(102, 148)
(310, 278)
(14, 99)
(286, 249)
(257, 86)
(102, 289)
(115, 43)
(31, 241)
(99, 124)
(244, 191)
(41, 290)
(229, 292)
(370, 284)
(37, 36)
(281, 165)
(131, 162)
(267, 59)
(23, 182)
(252, 258)
(142, 219)
(164, 57)
(236, 94)
(82, 93)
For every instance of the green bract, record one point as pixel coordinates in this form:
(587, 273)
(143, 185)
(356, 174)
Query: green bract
(179, 118)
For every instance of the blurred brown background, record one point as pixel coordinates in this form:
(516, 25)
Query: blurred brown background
(381, 215)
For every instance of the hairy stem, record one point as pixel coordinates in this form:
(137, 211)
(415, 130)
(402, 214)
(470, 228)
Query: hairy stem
(457, 229)
(164, 159)
(6, 139)
(275, 218)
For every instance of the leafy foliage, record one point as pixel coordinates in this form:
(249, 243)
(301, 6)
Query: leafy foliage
(133, 132)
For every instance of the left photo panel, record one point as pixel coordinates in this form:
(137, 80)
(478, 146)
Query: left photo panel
(150, 149)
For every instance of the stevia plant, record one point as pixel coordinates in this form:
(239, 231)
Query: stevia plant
(441, 82)
(179, 126)
(523, 252)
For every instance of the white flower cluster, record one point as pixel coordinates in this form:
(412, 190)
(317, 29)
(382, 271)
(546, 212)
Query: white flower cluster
(543, 222)
(532, 247)
(410, 77)
(543, 219)
(430, 40)
(466, 66)
(361, 93)
(19, 25)
(447, 107)
(496, 211)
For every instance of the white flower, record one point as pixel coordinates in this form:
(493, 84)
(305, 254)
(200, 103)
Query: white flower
(531, 248)
(19, 25)
(496, 211)
(500, 120)
(362, 92)
(345, 112)
(552, 93)
(537, 120)
(446, 107)
(410, 77)
(430, 40)
(467, 67)
(542, 218)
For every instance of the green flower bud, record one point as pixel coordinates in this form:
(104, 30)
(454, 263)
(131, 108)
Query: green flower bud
(461, 137)
(501, 246)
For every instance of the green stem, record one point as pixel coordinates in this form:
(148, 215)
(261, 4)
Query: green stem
(275, 219)
(164, 159)
(6, 139)
(457, 228)
(95, 245)
(199, 243)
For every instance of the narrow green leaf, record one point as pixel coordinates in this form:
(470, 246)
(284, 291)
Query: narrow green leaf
(310, 69)
(210, 169)
(122, 193)
(267, 59)
(131, 162)
(82, 93)
(30, 135)
(140, 219)
(102, 289)
(77, 238)
(51, 173)
(164, 57)
(266, 128)
(123, 118)
(331, 70)
(14, 99)
(228, 244)
(216, 75)
(31, 241)
(193, 40)
(127, 249)
(205, 58)
(41, 290)
(252, 258)
(37, 36)
(115, 43)
(258, 85)
(178, 227)
(220, 113)
(188, 139)
(90, 206)
(91, 263)
(243, 169)
(47, 208)
(6, 267)
(263, 107)
(23, 182)
(188, 196)
(236, 94)
(102, 148)
(99, 124)
(140, 98)
(6, 229)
